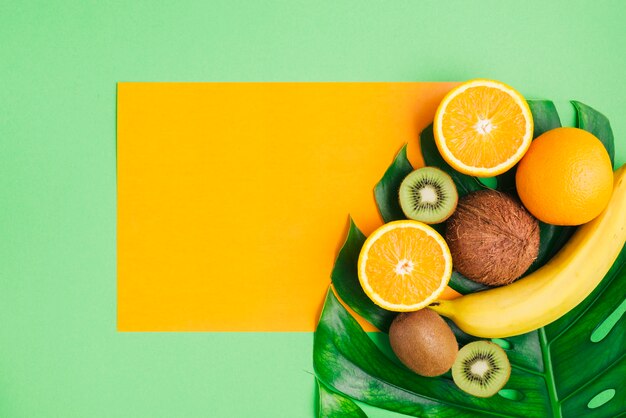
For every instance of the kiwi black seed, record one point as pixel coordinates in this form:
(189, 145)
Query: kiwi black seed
(481, 369)
(428, 195)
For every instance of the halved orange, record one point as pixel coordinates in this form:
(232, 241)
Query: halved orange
(483, 127)
(404, 266)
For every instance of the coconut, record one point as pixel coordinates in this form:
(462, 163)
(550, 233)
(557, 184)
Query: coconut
(492, 238)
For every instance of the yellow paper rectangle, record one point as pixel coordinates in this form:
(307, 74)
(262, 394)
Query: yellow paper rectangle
(233, 198)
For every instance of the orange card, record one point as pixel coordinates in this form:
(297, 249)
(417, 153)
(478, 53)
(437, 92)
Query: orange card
(233, 198)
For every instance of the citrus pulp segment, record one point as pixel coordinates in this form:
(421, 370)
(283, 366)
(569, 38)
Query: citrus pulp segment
(483, 127)
(404, 266)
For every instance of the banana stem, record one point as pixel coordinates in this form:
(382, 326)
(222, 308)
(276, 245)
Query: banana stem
(442, 307)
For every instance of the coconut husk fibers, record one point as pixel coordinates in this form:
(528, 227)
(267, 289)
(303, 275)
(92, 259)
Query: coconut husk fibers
(492, 238)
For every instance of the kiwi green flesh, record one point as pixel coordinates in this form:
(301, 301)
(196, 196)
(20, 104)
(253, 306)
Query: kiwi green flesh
(481, 369)
(428, 195)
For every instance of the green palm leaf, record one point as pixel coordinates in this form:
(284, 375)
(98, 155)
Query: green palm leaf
(335, 405)
(387, 189)
(573, 367)
(557, 370)
(346, 281)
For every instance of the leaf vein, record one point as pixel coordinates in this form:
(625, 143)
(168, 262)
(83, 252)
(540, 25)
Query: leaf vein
(593, 379)
(590, 305)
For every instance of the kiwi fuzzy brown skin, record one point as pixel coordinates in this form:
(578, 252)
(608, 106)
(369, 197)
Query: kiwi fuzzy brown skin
(423, 342)
(492, 238)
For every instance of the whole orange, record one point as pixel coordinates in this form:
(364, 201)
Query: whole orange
(565, 177)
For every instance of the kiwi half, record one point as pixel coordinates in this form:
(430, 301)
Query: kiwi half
(428, 195)
(481, 369)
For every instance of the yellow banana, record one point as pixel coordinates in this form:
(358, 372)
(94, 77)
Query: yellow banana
(553, 290)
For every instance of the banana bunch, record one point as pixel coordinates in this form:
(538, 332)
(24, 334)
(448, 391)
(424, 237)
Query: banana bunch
(553, 290)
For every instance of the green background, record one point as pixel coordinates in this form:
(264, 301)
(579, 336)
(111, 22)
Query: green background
(60, 354)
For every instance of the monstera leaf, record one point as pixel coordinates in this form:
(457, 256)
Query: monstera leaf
(465, 184)
(386, 190)
(346, 281)
(574, 367)
(545, 117)
(552, 237)
(591, 120)
(334, 405)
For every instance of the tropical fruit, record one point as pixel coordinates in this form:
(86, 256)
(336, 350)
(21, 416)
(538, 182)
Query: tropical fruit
(481, 369)
(554, 289)
(428, 195)
(483, 127)
(492, 238)
(423, 342)
(404, 265)
(566, 177)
